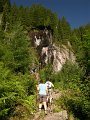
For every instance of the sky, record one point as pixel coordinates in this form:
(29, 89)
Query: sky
(76, 12)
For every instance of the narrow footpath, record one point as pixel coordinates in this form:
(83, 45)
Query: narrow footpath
(62, 115)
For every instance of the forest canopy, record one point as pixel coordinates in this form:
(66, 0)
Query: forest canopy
(17, 56)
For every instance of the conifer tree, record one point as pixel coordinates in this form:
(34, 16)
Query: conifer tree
(1, 6)
(5, 20)
(65, 30)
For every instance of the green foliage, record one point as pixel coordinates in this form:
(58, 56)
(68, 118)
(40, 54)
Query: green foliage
(13, 15)
(13, 90)
(1, 44)
(81, 45)
(64, 31)
(70, 74)
(6, 9)
(78, 104)
(35, 16)
(1, 6)
(45, 73)
(30, 103)
(16, 50)
(2, 3)
(76, 92)
(39, 16)
(17, 56)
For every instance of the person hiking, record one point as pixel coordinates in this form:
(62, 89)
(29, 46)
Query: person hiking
(42, 91)
(49, 85)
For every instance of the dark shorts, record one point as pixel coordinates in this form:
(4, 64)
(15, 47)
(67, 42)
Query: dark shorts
(42, 98)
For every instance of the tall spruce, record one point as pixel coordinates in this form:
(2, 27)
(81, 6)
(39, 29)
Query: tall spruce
(65, 30)
(6, 10)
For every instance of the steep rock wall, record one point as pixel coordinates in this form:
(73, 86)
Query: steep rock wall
(49, 52)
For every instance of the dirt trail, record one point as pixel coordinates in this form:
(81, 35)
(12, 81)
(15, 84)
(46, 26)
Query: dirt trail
(53, 116)
(57, 116)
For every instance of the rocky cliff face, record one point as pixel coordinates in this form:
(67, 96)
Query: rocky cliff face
(49, 52)
(61, 56)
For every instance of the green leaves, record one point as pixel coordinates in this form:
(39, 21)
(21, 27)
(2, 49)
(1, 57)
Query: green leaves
(16, 51)
(13, 90)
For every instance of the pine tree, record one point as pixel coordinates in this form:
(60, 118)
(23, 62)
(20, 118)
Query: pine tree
(65, 30)
(1, 6)
(5, 20)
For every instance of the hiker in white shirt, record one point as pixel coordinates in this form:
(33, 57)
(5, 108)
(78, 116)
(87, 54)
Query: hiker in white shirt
(50, 87)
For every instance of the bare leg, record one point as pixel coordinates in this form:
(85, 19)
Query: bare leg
(45, 107)
(40, 106)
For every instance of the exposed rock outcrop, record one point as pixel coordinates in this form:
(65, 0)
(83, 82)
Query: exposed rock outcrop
(49, 52)
(61, 55)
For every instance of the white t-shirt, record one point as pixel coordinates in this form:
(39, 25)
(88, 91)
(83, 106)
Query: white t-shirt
(42, 89)
(49, 84)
